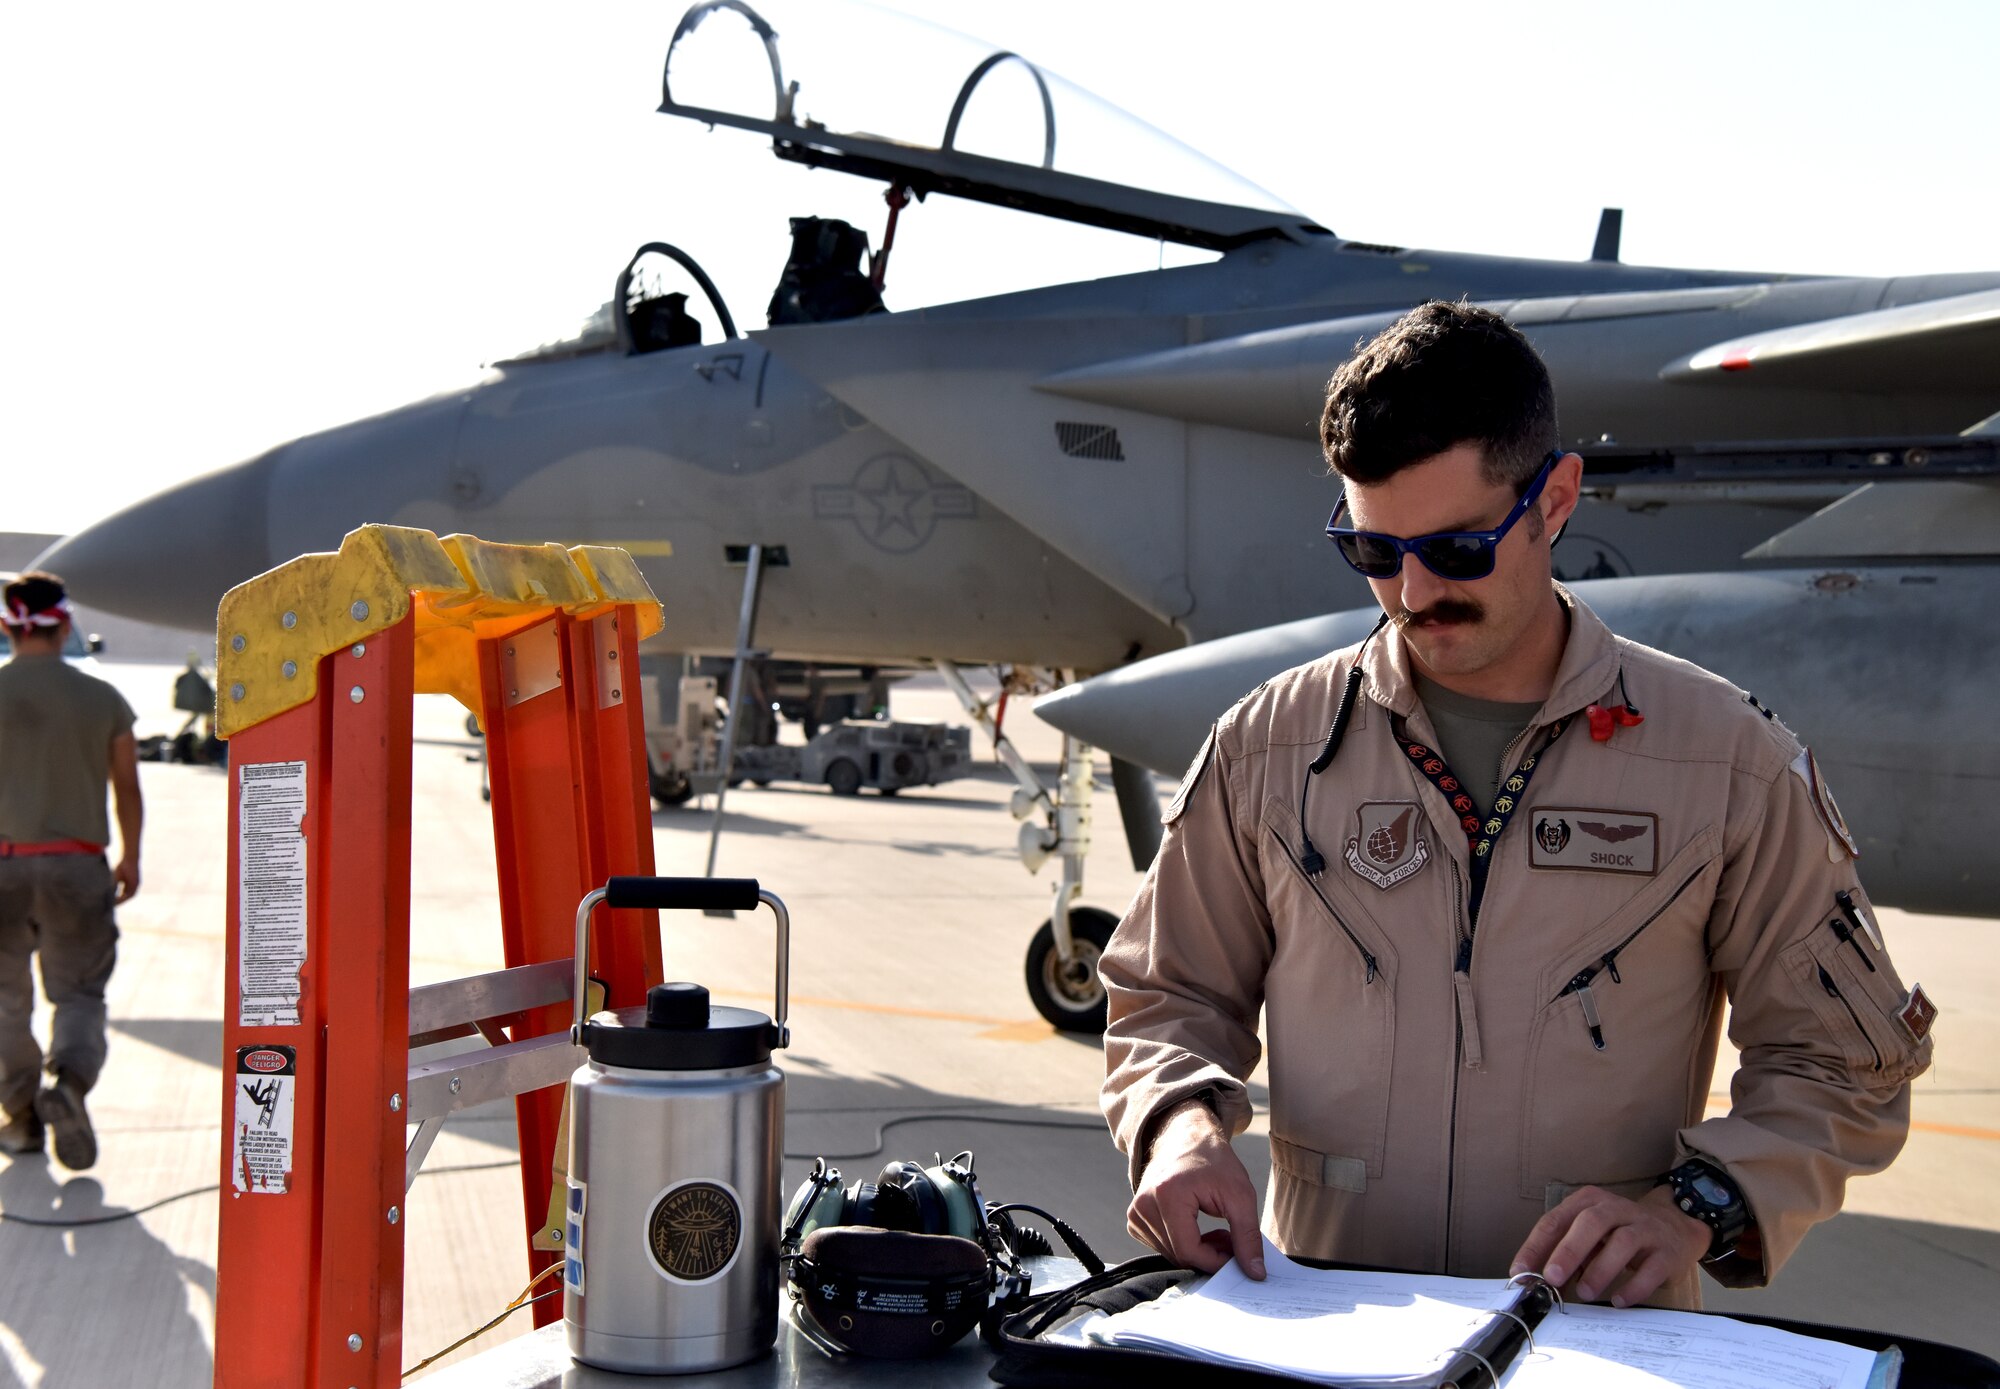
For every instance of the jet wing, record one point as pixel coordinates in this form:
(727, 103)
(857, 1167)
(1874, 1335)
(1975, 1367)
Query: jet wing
(1942, 344)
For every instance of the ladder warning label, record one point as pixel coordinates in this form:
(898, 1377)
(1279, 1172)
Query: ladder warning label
(271, 892)
(260, 1160)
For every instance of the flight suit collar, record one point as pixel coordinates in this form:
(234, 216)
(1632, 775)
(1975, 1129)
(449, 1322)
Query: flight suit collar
(1589, 665)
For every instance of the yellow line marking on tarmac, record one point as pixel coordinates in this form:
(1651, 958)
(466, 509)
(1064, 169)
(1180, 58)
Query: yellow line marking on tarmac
(1957, 1130)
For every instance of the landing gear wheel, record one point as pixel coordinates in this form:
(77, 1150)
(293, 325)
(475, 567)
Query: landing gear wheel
(670, 787)
(844, 777)
(1072, 997)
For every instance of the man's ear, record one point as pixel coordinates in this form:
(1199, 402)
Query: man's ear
(1560, 495)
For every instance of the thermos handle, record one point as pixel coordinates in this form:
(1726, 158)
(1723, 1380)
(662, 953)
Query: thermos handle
(682, 894)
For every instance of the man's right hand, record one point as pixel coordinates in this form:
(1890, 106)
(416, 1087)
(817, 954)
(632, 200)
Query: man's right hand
(1191, 1172)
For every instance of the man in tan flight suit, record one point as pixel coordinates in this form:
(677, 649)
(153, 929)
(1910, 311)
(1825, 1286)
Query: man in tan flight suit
(1492, 921)
(63, 735)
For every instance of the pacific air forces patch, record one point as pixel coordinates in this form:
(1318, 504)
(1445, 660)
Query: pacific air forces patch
(1389, 845)
(1178, 806)
(1838, 837)
(1594, 841)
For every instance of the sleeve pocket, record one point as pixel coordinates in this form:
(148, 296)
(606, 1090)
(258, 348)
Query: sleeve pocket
(1858, 1009)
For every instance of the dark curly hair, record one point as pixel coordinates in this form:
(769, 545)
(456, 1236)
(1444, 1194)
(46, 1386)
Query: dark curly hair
(1441, 375)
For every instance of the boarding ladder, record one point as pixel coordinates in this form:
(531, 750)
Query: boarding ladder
(318, 661)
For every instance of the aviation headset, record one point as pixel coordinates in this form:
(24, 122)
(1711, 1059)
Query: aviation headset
(905, 1265)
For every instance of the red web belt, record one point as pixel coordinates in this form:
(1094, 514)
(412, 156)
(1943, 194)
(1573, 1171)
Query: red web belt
(10, 849)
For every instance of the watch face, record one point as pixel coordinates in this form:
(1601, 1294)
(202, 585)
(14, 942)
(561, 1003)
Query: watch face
(1712, 1191)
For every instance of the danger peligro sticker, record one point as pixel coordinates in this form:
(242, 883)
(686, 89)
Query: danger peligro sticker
(260, 1160)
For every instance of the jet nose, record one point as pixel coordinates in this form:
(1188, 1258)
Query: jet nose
(1156, 712)
(169, 559)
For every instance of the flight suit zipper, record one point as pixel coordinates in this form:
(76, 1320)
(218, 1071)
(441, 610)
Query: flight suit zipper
(1461, 990)
(1607, 963)
(1367, 956)
(1833, 991)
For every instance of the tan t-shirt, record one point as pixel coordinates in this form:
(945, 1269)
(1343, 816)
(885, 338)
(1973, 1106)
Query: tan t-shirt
(56, 727)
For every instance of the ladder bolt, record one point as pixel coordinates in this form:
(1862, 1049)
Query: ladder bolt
(354, 1342)
(357, 694)
(360, 650)
(359, 612)
(396, 1104)
(290, 620)
(455, 1083)
(236, 692)
(291, 669)
(395, 1214)
(236, 642)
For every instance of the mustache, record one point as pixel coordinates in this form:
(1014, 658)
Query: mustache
(1443, 613)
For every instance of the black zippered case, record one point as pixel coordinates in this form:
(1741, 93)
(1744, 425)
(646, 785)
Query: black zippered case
(1028, 1360)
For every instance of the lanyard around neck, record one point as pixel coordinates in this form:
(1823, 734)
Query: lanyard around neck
(1480, 835)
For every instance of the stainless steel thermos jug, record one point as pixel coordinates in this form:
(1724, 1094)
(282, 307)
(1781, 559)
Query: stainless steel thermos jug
(676, 1130)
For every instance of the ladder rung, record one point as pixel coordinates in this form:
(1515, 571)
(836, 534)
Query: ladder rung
(477, 997)
(513, 1068)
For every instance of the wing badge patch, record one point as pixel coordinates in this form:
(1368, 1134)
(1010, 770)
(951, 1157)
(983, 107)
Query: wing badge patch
(1594, 841)
(1389, 845)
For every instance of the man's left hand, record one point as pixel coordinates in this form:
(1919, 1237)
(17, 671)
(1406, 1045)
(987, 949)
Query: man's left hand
(1613, 1246)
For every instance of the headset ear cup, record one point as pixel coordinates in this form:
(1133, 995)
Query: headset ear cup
(860, 1205)
(827, 1208)
(819, 1200)
(933, 1214)
(964, 1218)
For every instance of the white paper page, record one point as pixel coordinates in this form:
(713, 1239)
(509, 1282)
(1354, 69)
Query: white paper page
(1316, 1323)
(1646, 1348)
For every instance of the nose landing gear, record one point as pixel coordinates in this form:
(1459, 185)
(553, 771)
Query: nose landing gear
(1062, 958)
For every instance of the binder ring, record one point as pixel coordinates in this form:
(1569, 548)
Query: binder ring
(1526, 1330)
(1492, 1379)
(1554, 1291)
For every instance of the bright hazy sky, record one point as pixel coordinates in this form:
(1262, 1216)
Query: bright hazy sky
(228, 225)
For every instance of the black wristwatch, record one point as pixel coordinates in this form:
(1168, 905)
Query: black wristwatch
(1711, 1196)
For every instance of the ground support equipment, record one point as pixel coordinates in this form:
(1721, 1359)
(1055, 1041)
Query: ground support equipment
(318, 661)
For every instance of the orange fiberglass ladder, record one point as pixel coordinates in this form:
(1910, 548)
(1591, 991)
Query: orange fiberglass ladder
(317, 663)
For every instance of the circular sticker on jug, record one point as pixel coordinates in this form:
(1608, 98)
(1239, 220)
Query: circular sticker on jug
(694, 1230)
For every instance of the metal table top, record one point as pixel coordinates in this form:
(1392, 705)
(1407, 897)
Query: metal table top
(540, 1360)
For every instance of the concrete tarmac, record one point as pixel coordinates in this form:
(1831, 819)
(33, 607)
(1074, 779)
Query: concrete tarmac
(913, 1035)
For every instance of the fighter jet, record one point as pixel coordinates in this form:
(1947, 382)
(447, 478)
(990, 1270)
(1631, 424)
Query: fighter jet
(1070, 477)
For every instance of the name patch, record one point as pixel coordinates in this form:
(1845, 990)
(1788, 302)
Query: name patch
(1594, 841)
(1389, 845)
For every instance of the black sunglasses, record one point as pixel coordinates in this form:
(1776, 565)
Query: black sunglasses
(1455, 555)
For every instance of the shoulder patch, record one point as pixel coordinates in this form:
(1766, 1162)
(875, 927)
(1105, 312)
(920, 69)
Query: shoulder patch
(1840, 840)
(1178, 806)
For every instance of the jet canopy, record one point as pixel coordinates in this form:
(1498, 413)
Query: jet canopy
(889, 97)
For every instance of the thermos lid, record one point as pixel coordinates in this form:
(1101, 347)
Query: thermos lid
(679, 1030)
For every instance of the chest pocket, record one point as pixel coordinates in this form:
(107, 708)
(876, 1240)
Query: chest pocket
(1330, 1009)
(1611, 1069)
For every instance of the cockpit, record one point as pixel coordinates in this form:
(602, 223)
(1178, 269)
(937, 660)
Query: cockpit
(922, 110)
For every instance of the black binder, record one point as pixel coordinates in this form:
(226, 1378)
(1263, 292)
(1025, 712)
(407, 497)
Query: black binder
(1028, 1360)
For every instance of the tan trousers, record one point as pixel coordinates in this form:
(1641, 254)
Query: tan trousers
(58, 906)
